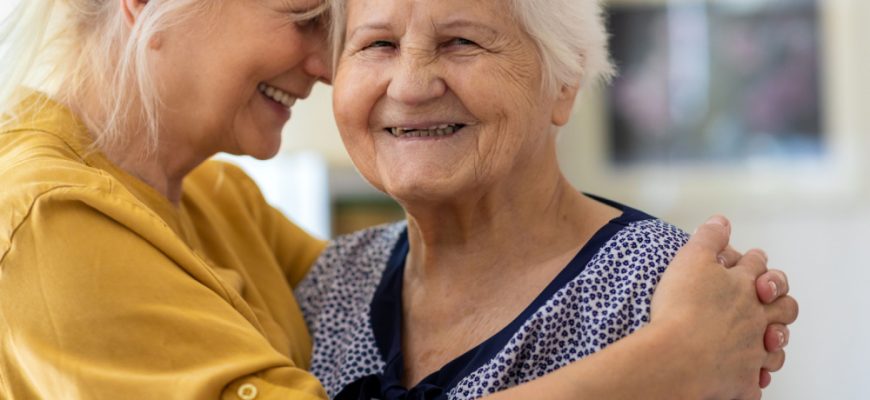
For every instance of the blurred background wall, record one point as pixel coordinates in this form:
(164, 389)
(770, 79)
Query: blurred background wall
(801, 193)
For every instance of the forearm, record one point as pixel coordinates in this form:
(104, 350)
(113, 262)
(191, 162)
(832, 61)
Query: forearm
(706, 340)
(655, 362)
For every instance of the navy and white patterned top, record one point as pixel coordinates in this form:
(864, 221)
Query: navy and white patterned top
(351, 300)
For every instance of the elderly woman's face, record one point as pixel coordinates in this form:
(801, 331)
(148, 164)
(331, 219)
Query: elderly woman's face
(229, 78)
(438, 98)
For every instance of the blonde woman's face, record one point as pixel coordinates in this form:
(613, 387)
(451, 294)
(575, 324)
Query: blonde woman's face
(228, 80)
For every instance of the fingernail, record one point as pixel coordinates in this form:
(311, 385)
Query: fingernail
(717, 220)
(721, 260)
(773, 288)
(781, 337)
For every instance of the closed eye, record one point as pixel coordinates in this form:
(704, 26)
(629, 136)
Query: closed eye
(309, 23)
(460, 42)
(380, 44)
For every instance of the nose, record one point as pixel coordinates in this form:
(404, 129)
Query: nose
(416, 80)
(319, 63)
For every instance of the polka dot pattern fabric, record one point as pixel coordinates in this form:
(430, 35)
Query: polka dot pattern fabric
(607, 300)
(335, 298)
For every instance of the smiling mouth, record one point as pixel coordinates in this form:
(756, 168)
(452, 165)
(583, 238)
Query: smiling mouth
(435, 131)
(277, 95)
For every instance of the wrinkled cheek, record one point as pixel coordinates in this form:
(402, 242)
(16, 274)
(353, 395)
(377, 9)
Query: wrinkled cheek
(358, 141)
(352, 101)
(497, 150)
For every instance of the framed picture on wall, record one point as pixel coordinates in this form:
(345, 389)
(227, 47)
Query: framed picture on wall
(715, 81)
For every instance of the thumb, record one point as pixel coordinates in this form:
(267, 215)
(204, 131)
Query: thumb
(709, 239)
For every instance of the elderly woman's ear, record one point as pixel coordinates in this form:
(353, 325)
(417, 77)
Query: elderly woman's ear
(564, 104)
(132, 9)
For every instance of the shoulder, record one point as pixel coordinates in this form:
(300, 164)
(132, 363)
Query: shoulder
(223, 194)
(648, 236)
(37, 173)
(365, 251)
(223, 183)
(350, 267)
(375, 241)
(33, 161)
(637, 255)
(336, 297)
(43, 167)
(220, 196)
(643, 244)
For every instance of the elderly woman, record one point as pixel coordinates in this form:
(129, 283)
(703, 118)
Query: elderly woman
(502, 272)
(131, 267)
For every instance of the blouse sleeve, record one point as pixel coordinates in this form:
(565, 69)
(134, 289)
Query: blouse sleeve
(295, 249)
(95, 308)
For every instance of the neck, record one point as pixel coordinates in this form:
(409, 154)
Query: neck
(529, 220)
(163, 168)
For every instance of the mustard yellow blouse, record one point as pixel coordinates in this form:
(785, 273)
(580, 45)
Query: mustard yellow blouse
(108, 291)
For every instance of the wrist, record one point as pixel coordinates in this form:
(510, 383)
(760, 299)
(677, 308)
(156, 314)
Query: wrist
(686, 366)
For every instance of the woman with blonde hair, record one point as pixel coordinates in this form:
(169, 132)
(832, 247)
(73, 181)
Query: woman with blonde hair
(133, 267)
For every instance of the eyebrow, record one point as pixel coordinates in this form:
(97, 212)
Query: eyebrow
(454, 24)
(464, 23)
(373, 26)
(311, 11)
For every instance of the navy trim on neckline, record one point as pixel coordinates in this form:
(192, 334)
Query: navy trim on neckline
(386, 316)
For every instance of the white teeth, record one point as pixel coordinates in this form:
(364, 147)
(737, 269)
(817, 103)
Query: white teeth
(437, 131)
(280, 96)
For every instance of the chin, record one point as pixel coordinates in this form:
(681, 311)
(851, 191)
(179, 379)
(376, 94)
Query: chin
(427, 189)
(262, 147)
(265, 154)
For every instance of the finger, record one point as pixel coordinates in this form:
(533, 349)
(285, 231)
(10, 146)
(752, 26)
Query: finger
(729, 257)
(752, 388)
(774, 361)
(771, 285)
(776, 337)
(754, 262)
(712, 237)
(764, 378)
(783, 310)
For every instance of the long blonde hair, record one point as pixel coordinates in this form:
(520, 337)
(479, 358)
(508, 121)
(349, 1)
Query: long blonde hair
(69, 49)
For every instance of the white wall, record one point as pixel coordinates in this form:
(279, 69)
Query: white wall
(312, 127)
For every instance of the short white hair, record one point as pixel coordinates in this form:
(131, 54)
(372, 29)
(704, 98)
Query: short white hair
(570, 37)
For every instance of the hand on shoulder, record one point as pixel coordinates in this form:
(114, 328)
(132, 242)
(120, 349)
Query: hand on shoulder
(727, 307)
